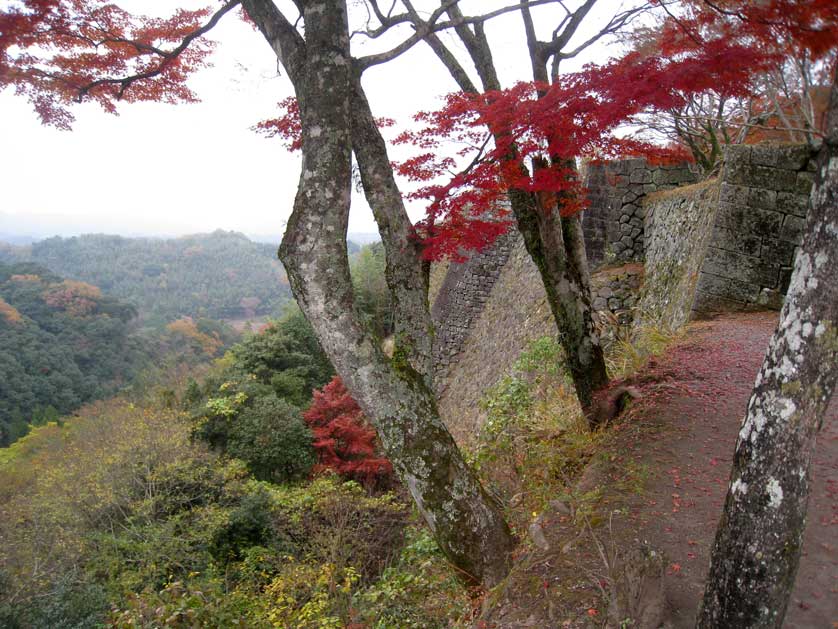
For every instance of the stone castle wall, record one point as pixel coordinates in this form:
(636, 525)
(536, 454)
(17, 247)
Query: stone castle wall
(758, 227)
(614, 219)
(678, 226)
(462, 296)
(613, 225)
(720, 245)
(514, 314)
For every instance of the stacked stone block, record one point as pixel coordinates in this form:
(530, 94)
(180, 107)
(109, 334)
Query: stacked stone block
(460, 300)
(614, 219)
(515, 314)
(759, 224)
(678, 227)
(468, 286)
(615, 290)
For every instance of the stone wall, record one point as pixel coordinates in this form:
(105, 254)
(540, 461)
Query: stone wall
(614, 232)
(614, 219)
(720, 245)
(461, 297)
(616, 290)
(678, 226)
(763, 199)
(516, 313)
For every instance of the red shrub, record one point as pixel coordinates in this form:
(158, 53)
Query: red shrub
(343, 439)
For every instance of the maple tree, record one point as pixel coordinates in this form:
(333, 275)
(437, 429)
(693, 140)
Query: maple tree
(343, 440)
(56, 52)
(523, 145)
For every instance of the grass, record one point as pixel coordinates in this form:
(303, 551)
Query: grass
(537, 456)
(535, 443)
(631, 348)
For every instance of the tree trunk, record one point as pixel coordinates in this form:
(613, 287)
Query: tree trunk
(466, 522)
(405, 270)
(556, 246)
(758, 543)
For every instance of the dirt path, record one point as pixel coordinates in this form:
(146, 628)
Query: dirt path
(700, 403)
(665, 470)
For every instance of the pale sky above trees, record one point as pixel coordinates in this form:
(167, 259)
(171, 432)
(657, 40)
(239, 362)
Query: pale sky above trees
(164, 169)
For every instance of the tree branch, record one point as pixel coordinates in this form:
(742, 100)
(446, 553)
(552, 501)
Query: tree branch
(433, 25)
(455, 69)
(616, 23)
(283, 37)
(168, 56)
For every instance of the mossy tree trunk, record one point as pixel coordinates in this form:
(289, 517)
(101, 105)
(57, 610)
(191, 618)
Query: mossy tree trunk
(556, 246)
(396, 394)
(759, 539)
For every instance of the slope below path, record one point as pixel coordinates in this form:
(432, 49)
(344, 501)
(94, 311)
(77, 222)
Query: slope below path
(681, 435)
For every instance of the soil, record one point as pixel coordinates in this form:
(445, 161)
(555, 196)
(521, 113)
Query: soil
(663, 480)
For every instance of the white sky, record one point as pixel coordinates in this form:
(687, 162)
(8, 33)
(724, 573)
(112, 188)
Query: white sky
(164, 169)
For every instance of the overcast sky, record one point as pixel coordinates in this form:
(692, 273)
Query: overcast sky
(163, 169)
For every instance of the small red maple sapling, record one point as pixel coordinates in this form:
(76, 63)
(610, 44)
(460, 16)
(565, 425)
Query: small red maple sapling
(343, 439)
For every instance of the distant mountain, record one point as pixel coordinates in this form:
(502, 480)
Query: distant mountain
(222, 275)
(364, 238)
(45, 225)
(16, 239)
(358, 239)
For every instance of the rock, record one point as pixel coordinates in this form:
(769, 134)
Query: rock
(559, 506)
(637, 589)
(537, 535)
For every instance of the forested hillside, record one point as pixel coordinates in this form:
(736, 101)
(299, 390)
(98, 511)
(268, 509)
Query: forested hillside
(219, 502)
(62, 343)
(222, 275)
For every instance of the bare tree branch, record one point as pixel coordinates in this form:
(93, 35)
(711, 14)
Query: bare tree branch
(432, 25)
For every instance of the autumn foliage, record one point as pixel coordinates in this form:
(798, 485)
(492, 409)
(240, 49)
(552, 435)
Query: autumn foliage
(344, 441)
(56, 52)
(78, 299)
(9, 313)
(529, 137)
(185, 327)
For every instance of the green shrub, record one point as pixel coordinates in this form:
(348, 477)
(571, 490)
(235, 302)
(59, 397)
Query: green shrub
(338, 523)
(70, 604)
(272, 438)
(196, 601)
(420, 590)
(246, 526)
